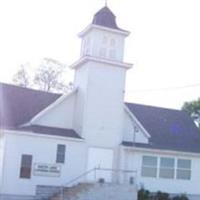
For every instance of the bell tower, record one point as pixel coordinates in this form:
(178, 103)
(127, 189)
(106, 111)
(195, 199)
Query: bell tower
(100, 78)
(103, 38)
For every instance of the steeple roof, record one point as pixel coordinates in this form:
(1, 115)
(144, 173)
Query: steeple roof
(106, 18)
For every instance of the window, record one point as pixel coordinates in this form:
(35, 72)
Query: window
(112, 54)
(87, 46)
(149, 166)
(60, 156)
(102, 52)
(183, 169)
(105, 39)
(167, 168)
(112, 42)
(26, 165)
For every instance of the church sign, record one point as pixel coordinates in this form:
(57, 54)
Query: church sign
(51, 170)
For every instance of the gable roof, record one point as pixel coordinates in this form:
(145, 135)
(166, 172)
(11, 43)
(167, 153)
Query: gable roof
(18, 105)
(169, 129)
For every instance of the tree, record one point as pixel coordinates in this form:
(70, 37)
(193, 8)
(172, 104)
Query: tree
(22, 78)
(47, 77)
(193, 108)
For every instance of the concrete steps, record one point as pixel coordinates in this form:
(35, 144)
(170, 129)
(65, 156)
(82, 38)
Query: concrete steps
(86, 191)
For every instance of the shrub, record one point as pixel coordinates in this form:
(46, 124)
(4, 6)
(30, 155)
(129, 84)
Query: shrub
(181, 197)
(161, 196)
(143, 194)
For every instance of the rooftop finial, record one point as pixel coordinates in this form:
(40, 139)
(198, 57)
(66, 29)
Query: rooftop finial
(106, 3)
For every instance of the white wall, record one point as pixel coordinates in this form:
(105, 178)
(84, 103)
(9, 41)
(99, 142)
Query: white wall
(96, 37)
(81, 82)
(61, 115)
(133, 161)
(2, 147)
(43, 150)
(103, 110)
(130, 133)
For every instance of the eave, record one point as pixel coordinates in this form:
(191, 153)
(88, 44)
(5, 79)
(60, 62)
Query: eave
(102, 28)
(114, 63)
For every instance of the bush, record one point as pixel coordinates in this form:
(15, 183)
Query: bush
(143, 194)
(161, 196)
(182, 197)
(146, 195)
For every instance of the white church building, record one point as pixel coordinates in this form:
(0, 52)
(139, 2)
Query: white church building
(91, 134)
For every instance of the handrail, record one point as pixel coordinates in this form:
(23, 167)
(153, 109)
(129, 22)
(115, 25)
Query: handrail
(117, 170)
(80, 176)
(90, 171)
(98, 169)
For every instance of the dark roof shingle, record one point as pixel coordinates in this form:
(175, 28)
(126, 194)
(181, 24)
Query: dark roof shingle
(169, 129)
(19, 105)
(106, 18)
(47, 130)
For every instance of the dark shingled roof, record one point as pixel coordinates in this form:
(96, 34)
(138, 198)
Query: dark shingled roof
(18, 105)
(169, 129)
(105, 17)
(46, 130)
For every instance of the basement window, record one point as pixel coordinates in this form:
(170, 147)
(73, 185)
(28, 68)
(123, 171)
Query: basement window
(26, 166)
(60, 156)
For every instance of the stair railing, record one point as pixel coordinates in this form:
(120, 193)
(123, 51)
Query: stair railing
(95, 170)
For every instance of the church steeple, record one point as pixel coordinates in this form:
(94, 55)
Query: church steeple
(100, 78)
(103, 38)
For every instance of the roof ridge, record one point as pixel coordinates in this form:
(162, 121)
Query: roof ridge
(27, 88)
(152, 106)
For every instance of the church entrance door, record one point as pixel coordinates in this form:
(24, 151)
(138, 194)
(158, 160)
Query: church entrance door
(102, 160)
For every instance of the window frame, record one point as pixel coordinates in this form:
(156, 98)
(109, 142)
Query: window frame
(184, 169)
(149, 166)
(163, 168)
(60, 153)
(26, 166)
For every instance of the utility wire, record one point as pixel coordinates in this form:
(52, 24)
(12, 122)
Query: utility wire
(165, 88)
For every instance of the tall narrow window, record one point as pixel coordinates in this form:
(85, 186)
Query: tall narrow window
(60, 156)
(26, 166)
(104, 40)
(167, 166)
(149, 166)
(102, 52)
(112, 43)
(112, 54)
(183, 169)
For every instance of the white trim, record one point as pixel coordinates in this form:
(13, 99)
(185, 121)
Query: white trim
(51, 106)
(161, 151)
(137, 121)
(93, 26)
(85, 59)
(3, 160)
(40, 135)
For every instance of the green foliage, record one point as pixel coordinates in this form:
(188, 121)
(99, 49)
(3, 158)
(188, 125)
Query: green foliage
(143, 194)
(193, 108)
(146, 195)
(181, 197)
